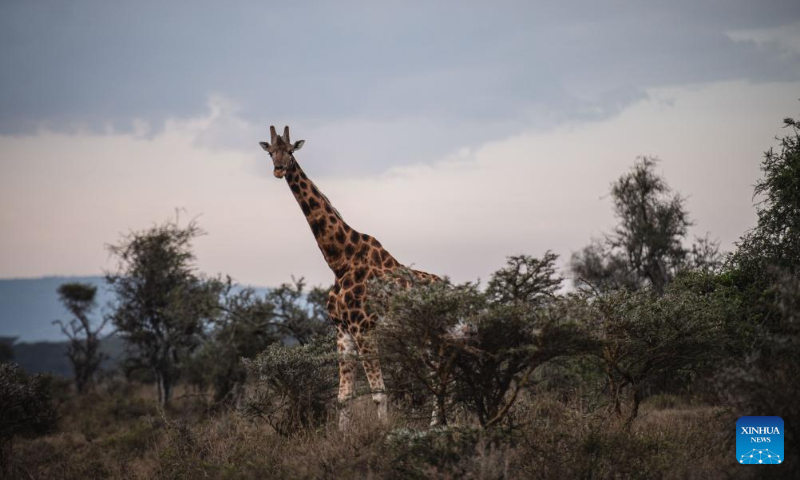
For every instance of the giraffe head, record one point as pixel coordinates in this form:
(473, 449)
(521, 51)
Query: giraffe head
(282, 151)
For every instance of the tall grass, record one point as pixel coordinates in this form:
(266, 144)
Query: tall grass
(122, 434)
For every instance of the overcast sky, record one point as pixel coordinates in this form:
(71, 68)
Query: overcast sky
(455, 132)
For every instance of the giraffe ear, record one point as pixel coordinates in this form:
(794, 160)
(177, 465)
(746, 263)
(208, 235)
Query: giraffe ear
(264, 145)
(298, 145)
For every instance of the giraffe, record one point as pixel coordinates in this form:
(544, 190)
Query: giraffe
(354, 258)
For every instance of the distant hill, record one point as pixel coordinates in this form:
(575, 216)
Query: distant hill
(29, 306)
(27, 309)
(50, 357)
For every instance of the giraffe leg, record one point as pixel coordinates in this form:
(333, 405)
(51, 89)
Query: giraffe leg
(346, 347)
(372, 368)
(435, 414)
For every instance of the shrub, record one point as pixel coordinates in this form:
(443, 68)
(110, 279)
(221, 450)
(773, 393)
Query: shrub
(25, 408)
(477, 348)
(444, 452)
(417, 333)
(511, 343)
(650, 340)
(763, 383)
(293, 386)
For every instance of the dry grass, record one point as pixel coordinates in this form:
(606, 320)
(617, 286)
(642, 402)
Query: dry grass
(123, 435)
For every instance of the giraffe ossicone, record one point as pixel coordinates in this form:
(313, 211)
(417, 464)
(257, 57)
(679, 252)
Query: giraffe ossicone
(355, 258)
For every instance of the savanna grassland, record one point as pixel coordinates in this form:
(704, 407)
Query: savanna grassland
(637, 367)
(123, 434)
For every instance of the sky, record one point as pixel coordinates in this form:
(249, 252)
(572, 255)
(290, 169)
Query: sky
(457, 133)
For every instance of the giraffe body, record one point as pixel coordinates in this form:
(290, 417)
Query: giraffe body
(355, 258)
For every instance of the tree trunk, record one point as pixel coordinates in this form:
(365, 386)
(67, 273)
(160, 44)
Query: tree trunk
(164, 389)
(80, 382)
(441, 409)
(637, 399)
(167, 392)
(159, 388)
(615, 393)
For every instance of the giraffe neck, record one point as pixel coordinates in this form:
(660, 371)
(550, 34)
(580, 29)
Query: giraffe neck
(327, 225)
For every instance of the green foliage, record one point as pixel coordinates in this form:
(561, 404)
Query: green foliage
(419, 332)
(26, 408)
(771, 248)
(510, 345)
(652, 223)
(77, 297)
(478, 349)
(763, 384)
(649, 340)
(299, 315)
(719, 289)
(765, 273)
(83, 349)
(526, 280)
(293, 386)
(246, 325)
(646, 248)
(775, 241)
(522, 326)
(162, 305)
(443, 452)
(25, 403)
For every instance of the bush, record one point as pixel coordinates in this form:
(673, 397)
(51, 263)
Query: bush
(293, 386)
(418, 336)
(444, 452)
(26, 408)
(650, 341)
(478, 349)
(511, 344)
(763, 383)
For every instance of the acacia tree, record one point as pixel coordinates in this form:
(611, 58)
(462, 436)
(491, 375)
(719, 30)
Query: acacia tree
(83, 349)
(245, 327)
(302, 316)
(247, 324)
(162, 304)
(765, 270)
(526, 279)
(774, 244)
(646, 248)
(648, 338)
(522, 326)
(477, 349)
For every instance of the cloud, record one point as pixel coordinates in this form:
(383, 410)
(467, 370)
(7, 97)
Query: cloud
(419, 79)
(64, 196)
(783, 37)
